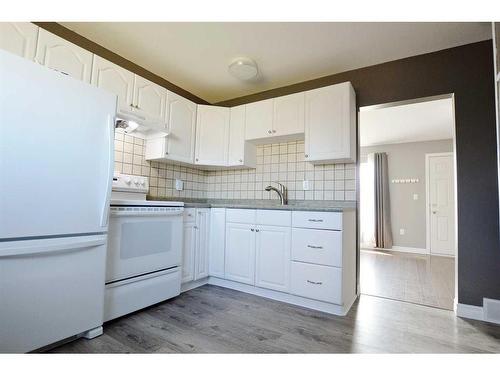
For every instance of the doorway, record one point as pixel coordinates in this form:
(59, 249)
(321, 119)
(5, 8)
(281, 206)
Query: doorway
(407, 201)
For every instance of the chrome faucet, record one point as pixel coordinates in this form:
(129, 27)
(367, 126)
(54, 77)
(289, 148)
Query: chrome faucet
(282, 193)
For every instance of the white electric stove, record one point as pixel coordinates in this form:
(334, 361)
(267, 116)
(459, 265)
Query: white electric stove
(144, 248)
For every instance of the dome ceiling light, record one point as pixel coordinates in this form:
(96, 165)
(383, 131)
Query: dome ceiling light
(243, 68)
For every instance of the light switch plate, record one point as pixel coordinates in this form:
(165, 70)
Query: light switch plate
(179, 185)
(305, 185)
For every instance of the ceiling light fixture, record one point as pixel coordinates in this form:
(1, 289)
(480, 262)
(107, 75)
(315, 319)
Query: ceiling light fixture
(243, 68)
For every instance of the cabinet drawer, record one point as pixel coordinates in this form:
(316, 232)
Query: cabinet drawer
(234, 215)
(317, 282)
(317, 220)
(189, 215)
(274, 217)
(317, 246)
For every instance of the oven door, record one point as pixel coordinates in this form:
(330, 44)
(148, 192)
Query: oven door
(141, 241)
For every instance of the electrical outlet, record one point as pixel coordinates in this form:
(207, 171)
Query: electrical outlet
(402, 232)
(305, 185)
(415, 197)
(179, 185)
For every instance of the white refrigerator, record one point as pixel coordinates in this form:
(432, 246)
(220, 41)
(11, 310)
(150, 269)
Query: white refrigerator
(56, 170)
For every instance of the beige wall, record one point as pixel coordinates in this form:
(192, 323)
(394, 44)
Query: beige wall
(283, 162)
(407, 160)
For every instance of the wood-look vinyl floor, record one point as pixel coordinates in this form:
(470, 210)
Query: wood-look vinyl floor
(423, 279)
(212, 319)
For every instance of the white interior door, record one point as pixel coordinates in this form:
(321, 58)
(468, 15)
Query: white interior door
(441, 204)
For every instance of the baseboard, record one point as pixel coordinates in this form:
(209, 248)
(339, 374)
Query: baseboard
(193, 284)
(470, 311)
(329, 308)
(412, 250)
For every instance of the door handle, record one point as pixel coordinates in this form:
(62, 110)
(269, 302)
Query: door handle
(314, 247)
(314, 282)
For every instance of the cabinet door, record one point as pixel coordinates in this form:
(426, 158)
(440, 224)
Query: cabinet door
(115, 79)
(217, 241)
(181, 115)
(236, 150)
(19, 38)
(240, 253)
(188, 252)
(272, 269)
(330, 124)
(289, 115)
(259, 120)
(150, 100)
(212, 135)
(66, 57)
(202, 237)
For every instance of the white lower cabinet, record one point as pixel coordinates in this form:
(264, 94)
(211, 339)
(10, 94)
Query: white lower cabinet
(195, 249)
(188, 252)
(306, 258)
(317, 282)
(272, 257)
(240, 253)
(217, 242)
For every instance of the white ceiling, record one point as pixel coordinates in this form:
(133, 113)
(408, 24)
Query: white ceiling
(195, 56)
(425, 121)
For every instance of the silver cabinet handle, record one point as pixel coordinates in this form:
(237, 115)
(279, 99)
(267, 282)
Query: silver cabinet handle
(315, 282)
(195, 227)
(252, 229)
(314, 247)
(306, 155)
(257, 230)
(269, 131)
(274, 131)
(241, 160)
(316, 220)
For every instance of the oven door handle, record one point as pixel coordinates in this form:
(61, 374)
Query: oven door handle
(145, 213)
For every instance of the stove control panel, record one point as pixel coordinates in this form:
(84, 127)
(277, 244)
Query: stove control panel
(130, 183)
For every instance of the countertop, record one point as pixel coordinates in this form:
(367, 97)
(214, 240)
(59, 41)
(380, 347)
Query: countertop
(293, 205)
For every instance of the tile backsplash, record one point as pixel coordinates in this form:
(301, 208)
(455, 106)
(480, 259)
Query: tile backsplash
(283, 162)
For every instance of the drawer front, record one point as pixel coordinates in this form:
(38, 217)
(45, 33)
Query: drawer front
(317, 220)
(189, 215)
(322, 283)
(317, 246)
(234, 215)
(274, 217)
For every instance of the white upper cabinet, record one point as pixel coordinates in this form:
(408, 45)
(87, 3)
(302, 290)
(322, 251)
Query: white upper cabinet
(240, 152)
(289, 115)
(212, 135)
(115, 79)
(19, 38)
(150, 101)
(181, 123)
(259, 120)
(330, 124)
(272, 257)
(66, 57)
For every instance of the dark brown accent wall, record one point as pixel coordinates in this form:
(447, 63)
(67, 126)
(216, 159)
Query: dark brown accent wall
(466, 71)
(99, 50)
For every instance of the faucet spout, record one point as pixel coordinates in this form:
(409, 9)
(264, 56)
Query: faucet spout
(282, 193)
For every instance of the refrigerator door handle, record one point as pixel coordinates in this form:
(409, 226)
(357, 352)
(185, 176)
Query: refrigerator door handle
(48, 246)
(105, 207)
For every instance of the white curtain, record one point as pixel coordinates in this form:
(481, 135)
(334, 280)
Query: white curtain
(367, 203)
